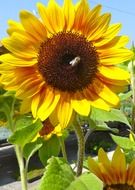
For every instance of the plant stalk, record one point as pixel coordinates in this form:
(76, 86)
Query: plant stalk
(23, 174)
(81, 148)
(63, 149)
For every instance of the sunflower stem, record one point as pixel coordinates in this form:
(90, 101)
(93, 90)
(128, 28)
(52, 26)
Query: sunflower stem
(81, 148)
(23, 174)
(63, 149)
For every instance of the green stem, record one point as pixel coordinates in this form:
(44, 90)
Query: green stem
(63, 149)
(133, 95)
(23, 174)
(81, 148)
(18, 150)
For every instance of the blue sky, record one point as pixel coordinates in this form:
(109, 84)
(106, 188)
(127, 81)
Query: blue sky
(122, 11)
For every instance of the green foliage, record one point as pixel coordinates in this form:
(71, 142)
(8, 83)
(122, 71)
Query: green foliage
(86, 181)
(30, 148)
(101, 127)
(124, 142)
(58, 175)
(26, 134)
(51, 147)
(125, 96)
(113, 115)
(23, 121)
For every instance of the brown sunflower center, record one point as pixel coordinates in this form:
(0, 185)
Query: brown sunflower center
(67, 61)
(119, 187)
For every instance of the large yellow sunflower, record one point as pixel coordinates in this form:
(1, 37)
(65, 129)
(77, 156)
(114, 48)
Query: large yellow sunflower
(116, 174)
(65, 60)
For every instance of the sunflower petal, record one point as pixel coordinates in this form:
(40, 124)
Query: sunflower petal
(100, 28)
(119, 165)
(48, 104)
(80, 104)
(111, 32)
(64, 110)
(17, 45)
(113, 72)
(95, 100)
(114, 56)
(105, 93)
(52, 16)
(69, 13)
(81, 15)
(15, 61)
(91, 19)
(33, 26)
(25, 106)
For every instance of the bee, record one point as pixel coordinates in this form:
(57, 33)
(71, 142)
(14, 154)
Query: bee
(75, 61)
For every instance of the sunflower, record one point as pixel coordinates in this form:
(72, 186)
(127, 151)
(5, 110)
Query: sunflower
(49, 130)
(65, 60)
(116, 174)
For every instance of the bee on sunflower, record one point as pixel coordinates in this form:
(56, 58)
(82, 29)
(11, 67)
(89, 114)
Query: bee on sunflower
(64, 61)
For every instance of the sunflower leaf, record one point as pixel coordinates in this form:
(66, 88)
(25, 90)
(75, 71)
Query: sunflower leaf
(50, 148)
(113, 115)
(25, 135)
(58, 175)
(124, 142)
(30, 148)
(86, 181)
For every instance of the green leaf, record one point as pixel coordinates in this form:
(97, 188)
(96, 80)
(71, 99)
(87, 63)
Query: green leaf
(50, 148)
(125, 96)
(113, 115)
(58, 175)
(26, 134)
(101, 127)
(86, 181)
(124, 142)
(23, 121)
(30, 148)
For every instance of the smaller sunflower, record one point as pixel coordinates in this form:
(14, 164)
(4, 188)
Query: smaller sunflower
(116, 174)
(48, 130)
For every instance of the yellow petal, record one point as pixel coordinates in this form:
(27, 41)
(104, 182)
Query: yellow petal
(28, 88)
(114, 56)
(113, 72)
(91, 19)
(52, 16)
(17, 45)
(64, 110)
(48, 103)
(117, 42)
(80, 104)
(16, 61)
(111, 32)
(35, 104)
(81, 15)
(14, 27)
(94, 168)
(43, 12)
(32, 25)
(100, 27)
(119, 165)
(102, 157)
(25, 106)
(108, 81)
(69, 12)
(131, 173)
(104, 92)
(95, 100)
